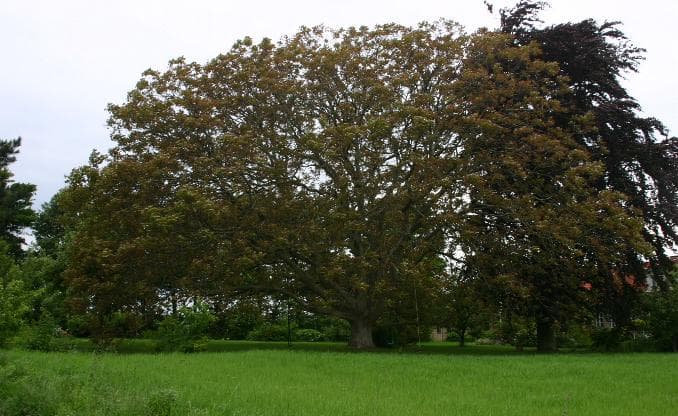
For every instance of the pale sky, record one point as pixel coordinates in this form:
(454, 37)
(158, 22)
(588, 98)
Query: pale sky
(63, 61)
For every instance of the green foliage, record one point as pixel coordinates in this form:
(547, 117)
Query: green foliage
(519, 332)
(396, 336)
(238, 320)
(308, 335)
(607, 339)
(49, 228)
(462, 308)
(270, 332)
(15, 299)
(576, 336)
(662, 315)
(336, 330)
(16, 211)
(187, 331)
(42, 275)
(41, 335)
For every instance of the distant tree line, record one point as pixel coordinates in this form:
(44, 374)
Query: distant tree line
(368, 185)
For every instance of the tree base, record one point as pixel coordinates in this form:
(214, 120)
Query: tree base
(546, 337)
(361, 336)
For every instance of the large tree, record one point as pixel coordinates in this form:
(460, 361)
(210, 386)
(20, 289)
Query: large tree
(338, 168)
(319, 167)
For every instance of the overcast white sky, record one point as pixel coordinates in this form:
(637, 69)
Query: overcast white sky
(63, 61)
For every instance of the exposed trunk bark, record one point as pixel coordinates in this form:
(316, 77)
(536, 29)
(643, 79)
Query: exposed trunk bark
(361, 335)
(462, 337)
(546, 336)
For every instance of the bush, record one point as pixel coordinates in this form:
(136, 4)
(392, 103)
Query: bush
(124, 324)
(519, 333)
(662, 319)
(187, 332)
(308, 335)
(606, 339)
(270, 332)
(389, 336)
(41, 336)
(491, 336)
(336, 330)
(453, 336)
(576, 336)
(237, 321)
(14, 303)
(78, 326)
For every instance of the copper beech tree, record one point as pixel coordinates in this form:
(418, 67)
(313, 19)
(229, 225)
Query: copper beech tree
(340, 167)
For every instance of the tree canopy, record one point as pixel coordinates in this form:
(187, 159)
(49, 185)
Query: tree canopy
(639, 158)
(355, 170)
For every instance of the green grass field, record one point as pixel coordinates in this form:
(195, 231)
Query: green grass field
(325, 380)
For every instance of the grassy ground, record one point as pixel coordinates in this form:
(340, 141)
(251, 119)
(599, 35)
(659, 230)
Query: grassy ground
(323, 380)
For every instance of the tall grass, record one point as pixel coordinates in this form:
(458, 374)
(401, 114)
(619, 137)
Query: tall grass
(280, 382)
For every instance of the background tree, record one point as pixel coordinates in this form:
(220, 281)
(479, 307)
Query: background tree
(661, 308)
(536, 223)
(15, 299)
(464, 308)
(16, 212)
(639, 159)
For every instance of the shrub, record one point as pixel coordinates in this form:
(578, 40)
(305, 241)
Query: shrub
(519, 333)
(606, 339)
(14, 303)
(337, 330)
(308, 335)
(576, 336)
(270, 332)
(662, 320)
(41, 335)
(388, 336)
(187, 332)
(452, 336)
(124, 324)
(78, 326)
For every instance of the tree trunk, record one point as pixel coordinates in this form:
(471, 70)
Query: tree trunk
(546, 336)
(361, 335)
(674, 344)
(462, 337)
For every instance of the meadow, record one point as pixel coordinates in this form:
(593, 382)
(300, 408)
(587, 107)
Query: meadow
(326, 379)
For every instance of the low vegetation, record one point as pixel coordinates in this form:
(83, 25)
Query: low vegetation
(482, 381)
